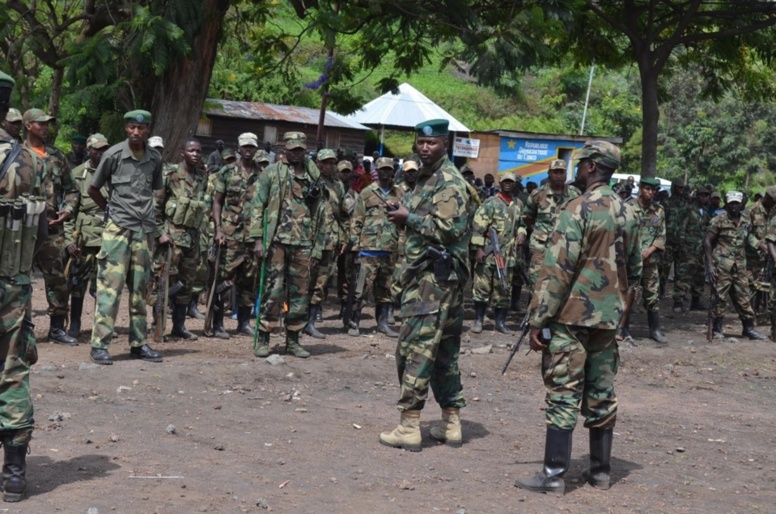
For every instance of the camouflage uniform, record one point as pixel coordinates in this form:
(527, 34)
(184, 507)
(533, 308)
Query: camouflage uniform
(345, 261)
(334, 227)
(691, 273)
(729, 260)
(61, 196)
(539, 215)
(675, 211)
(755, 259)
(652, 233)
(125, 255)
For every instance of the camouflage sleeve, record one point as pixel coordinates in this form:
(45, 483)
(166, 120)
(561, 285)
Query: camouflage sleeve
(660, 239)
(70, 193)
(319, 240)
(681, 228)
(447, 221)
(634, 264)
(160, 199)
(258, 206)
(520, 222)
(560, 266)
(482, 220)
(357, 221)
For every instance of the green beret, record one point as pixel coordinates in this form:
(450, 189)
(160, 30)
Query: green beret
(432, 128)
(326, 154)
(649, 181)
(78, 138)
(6, 81)
(138, 116)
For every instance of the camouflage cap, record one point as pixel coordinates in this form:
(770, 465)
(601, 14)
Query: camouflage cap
(97, 141)
(649, 182)
(558, 164)
(384, 162)
(466, 169)
(138, 116)
(156, 142)
(601, 152)
(677, 182)
(432, 128)
(507, 176)
(703, 190)
(228, 155)
(6, 81)
(771, 191)
(326, 153)
(261, 156)
(295, 140)
(734, 196)
(36, 116)
(13, 116)
(248, 139)
(344, 164)
(410, 165)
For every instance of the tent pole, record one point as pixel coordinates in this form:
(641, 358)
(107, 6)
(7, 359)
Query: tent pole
(382, 138)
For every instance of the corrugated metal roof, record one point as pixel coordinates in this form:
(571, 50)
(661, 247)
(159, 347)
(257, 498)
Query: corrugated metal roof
(273, 112)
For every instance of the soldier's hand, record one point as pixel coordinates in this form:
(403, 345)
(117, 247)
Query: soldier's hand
(343, 249)
(74, 250)
(219, 237)
(535, 341)
(165, 239)
(520, 239)
(712, 273)
(480, 255)
(399, 216)
(61, 218)
(258, 249)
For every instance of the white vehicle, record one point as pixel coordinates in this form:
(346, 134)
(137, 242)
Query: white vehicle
(621, 177)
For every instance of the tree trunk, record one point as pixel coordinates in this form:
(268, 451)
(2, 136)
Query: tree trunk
(650, 116)
(179, 94)
(56, 91)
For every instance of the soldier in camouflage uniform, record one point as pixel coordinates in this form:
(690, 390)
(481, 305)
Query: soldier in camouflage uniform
(83, 235)
(691, 230)
(375, 239)
(652, 230)
(13, 124)
(19, 177)
(409, 172)
(725, 241)
(502, 213)
(434, 216)
(287, 226)
(77, 154)
(235, 188)
(345, 258)
(592, 256)
(133, 171)
(180, 211)
(61, 198)
(675, 211)
(262, 159)
(757, 252)
(540, 212)
(334, 227)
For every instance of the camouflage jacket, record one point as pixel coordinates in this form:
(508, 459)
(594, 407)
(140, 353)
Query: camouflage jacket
(57, 182)
(238, 187)
(280, 203)
(652, 228)
(334, 214)
(369, 227)
(438, 207)
(731, 240)
(592, 256)
(674, 208)
(89, 220)
(692, 228)
(541, 210)
(758, 229)
(181, 205)
(506, 219)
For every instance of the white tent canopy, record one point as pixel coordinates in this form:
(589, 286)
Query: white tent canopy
(404, 110)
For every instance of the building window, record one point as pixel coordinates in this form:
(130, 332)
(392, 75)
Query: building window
(271, 134)
(204, 127)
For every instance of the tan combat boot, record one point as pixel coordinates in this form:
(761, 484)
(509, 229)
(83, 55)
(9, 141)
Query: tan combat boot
(449, 431)
(407, 434)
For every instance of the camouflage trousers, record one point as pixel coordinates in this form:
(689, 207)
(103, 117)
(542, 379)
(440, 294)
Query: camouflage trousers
(375, 275)
(396, 289)
(18, 353)
(320, 276)
(430, 341)
(755, 277)
(344, 269)
(537, 263)
(183, 268)
(691, 273)
(83, 272)
(203, 269)
(671, 256)
(732, 281)
(124, 258)
(486, 287)
(286, 279)
(51, 259)
(578, 367)
(239, 266)
(650, 284)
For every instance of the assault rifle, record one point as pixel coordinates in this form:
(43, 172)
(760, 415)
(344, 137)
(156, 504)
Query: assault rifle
(525, 328)
(162, 298)
(498, 257)
(211, 294)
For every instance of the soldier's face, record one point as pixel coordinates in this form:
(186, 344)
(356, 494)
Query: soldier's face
(647, 193)
(733, 207)
(703, 198)
(137, 133)
(385, 173)
(327, 166)
(488, 180)
(557, 178)
(295, 155)
(77, 147)
(247, 152)
(95, 154)
(431, 149)
(192, 153)
(507, 186)
(715, 202)
(39, 129)
(14, 128)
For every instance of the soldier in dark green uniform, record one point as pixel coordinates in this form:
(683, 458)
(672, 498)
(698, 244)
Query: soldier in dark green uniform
(691, 230)
(19, 178)
(436, 268)
(83, 235)
(133, 171)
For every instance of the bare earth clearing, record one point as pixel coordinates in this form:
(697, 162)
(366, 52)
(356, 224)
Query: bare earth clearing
(694, 432)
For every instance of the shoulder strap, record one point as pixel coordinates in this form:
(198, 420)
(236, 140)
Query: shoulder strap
(10, 159)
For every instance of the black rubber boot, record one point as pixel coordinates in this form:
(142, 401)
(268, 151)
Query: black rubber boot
(192, 311)
(218, 319)
(244, 321)
(515, 301)
(312, 316)
(14, 472)
(145, 353)
(600, 458)
(749, 331)
(501, 318)
(57, 332)
(557, 458)
(319, 314)
(354, 321)
(653, 318)
(717, 331)
(382, 320)
(179, 323)
(479, 315)
(697, 305)
(76, 309)
(678, 306)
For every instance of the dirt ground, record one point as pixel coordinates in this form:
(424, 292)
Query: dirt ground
(213, 429)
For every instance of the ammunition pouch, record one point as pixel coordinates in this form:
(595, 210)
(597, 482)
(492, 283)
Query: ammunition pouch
(442, 262)
(176, 288)
(194, 214)
(181, 207)
(312, 195)
(13, 244)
